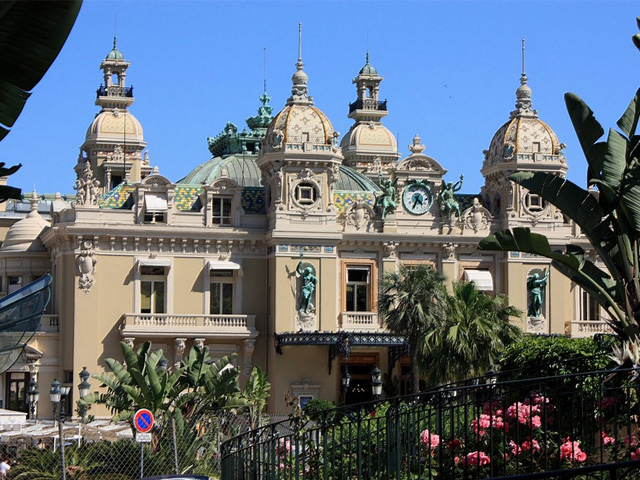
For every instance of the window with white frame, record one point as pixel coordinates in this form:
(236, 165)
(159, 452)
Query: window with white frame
(221, 210)
(221, 292)
(152, 289)
(589, 308)
(155, 208)
(358, 288)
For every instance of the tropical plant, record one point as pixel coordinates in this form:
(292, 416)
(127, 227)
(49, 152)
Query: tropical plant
(470, 335)
(409, 304)
(254, 396)
(31, 37)
(609, 219)
(142, 382)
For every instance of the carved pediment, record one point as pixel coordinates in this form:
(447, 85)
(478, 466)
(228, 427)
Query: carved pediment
(156, 180)
(419, 162)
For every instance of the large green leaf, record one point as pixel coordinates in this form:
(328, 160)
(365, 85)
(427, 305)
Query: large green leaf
(629, 120)
(615, 159)
(587, 128)
(32, 34)
(575, 202)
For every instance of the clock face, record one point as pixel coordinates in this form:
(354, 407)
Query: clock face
(417, 198)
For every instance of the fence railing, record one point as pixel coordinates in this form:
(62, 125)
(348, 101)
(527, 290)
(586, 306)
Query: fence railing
(479, 429)
(358, 321)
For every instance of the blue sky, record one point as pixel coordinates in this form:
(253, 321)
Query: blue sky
(451, 69)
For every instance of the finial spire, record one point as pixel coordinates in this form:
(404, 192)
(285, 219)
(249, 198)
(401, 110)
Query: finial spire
(264, 72)
(523, 76)
(299, 92)
(300, 46)
(115, 42)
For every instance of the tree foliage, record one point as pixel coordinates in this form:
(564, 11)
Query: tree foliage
(470, 335)
(409, 304)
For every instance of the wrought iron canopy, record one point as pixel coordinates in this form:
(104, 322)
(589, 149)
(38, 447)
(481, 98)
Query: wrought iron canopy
(340, 343)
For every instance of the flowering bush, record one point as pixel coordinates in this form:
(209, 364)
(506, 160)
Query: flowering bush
(571, 451)
(430, 439)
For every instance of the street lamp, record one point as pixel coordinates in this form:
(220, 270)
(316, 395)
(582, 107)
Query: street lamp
(83, 389)
(34, 396)
(346, 379)
(57, 395)
(376, 383)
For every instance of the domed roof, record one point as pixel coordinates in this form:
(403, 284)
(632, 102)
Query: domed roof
(368, 69)
(524, 133)
(351, 180)
(243, 171)
(299, 121)
(114, 54)
(302, 123)
(375, 136)
(23, 235)
(114, 124)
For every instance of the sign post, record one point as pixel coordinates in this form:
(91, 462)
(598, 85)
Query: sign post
(143, 423)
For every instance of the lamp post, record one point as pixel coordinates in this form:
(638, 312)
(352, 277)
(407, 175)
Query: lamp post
(57, 395)
(83, 389)
(376, 383)
(346, 381)
(34, 396)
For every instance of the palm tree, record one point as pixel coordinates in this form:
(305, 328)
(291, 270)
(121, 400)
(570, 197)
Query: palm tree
(469, 336)
(409, 304)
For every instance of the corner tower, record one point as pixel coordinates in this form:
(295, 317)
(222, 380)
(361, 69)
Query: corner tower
(523, 143)
(300, 161)
(114, 141)
(369, 146)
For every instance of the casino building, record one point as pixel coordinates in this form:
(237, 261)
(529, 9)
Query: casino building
(213, 258)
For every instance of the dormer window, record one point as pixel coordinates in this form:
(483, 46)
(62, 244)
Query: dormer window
(221, 210)
(155, 208)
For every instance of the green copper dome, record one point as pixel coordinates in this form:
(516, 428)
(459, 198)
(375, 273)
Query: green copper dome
(114, 54)
(368, 69)
(243, 171)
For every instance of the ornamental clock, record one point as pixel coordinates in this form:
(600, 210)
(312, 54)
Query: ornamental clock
(417, 197)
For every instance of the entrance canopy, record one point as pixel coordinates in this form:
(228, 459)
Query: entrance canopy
(340, 343)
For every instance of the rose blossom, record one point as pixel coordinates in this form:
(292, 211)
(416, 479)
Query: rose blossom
(430, 439)
(571, 451)
(477, 458)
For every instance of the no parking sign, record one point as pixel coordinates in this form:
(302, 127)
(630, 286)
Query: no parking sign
(143, 420)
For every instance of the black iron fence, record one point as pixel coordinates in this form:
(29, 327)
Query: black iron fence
(575, 426)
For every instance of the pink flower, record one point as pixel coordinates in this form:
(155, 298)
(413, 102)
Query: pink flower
(607, 440)
(524, 414)
(283, 446)
(528, 445)
(430, 439)
(476, 459)
(571, 451)
(635, 455)
(631, 440)
(481, 424)
(607, 402)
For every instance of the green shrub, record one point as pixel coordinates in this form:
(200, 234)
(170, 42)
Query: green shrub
(317, 409)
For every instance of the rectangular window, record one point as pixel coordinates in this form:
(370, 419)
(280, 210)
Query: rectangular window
(155, 208)
(16, 392)
(589, 308)
(15, 283)
(357, 289)
(152, 290)
(221, 291)
(221, 211)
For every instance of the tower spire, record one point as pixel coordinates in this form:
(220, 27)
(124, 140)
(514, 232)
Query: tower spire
(264, 72)
(523, 75)
(299, 92)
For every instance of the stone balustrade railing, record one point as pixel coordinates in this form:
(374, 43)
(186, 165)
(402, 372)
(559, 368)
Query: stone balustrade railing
(49, 323)
(588, 328)
(190, 326)
(358, 321)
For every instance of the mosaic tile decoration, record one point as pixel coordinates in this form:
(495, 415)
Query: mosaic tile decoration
(185, 196)
(116, 197)
(252, 200)
(343, 200)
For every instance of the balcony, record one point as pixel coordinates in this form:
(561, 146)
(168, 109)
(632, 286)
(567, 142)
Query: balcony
(114, 91)
(49, 324)
(368, 104)
(190, 326)
(360, 321)
(588, 328)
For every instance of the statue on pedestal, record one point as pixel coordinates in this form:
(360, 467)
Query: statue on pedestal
(535, 288)
(308, 282)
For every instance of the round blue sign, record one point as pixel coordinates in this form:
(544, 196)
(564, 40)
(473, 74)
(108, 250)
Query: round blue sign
(143, 420)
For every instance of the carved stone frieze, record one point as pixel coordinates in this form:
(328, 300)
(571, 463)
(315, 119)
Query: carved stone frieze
(86, 263)
(476, 217)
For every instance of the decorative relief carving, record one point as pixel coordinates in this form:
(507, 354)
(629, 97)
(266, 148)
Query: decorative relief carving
(476, 217)
(247, 364)
(360, 215)
(449, 251)
(86, 263)
(86, 187)
(390, 249)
